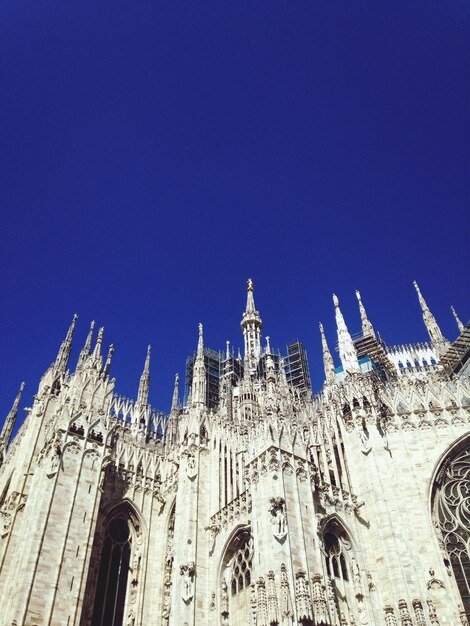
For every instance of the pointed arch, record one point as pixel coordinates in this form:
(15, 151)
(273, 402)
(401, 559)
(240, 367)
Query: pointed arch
(236, 575)
(116, 565)
(342, 569)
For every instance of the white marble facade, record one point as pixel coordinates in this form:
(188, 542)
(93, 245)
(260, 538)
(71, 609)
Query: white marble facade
(276, 507)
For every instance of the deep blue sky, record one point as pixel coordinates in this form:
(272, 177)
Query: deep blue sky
(157, 154)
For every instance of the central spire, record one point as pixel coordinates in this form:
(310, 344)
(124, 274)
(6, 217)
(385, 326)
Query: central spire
(251, 325)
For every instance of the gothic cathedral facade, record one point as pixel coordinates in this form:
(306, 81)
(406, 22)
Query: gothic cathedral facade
(258, 504)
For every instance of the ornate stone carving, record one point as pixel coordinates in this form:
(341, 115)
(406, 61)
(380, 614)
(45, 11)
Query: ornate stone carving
(187, 572)
(419, 612)
(278, 518)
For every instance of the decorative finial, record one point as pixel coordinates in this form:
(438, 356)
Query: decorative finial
(250, 284)
(335, 300)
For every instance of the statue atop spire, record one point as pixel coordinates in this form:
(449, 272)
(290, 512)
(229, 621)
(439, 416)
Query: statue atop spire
(328, 363)
(347, 351)
(65, 349)
(438, 341)
(199, 383)
(144, 384)
(9, 425)
(457, 319)
(251, 326)
(367, 328)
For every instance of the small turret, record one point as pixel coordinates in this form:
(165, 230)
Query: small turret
(9, 424)
(347, 351)
(198, 387)
(367, 328)
(457, 319)
(439, 343)
(65, 349)
(328, 363)
(144, 384)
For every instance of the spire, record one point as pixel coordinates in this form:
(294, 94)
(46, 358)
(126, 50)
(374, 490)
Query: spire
(439, 343)
(251, 325)
(144, 385)
(367, 328)
(198, 387)
(107, 365)
(9, 424)
(96, 358)
(175, 399)
(457, 319)
(328, 363)
(85, 351)
(65, 349)
(227, 350)
(347, 351)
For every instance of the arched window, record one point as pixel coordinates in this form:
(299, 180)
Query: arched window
(112, 582)
(237, 576)
(452, 514)
(341, 568)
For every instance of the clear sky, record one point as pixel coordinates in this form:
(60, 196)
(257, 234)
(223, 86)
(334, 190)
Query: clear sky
(156, 154)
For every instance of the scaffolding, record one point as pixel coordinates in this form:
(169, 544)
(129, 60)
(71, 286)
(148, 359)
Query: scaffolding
(458, 352)
(296, 366)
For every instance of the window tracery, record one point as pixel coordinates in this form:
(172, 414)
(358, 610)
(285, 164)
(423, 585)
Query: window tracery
(344, 576)
(452, 511)
(236, 578)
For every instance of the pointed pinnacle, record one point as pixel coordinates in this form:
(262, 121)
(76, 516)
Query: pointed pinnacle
(147, 359)
(175, 401)
(367, 328)
(87, 345)
(457, 319)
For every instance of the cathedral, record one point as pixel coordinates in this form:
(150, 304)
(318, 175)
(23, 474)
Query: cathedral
(254, 502)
